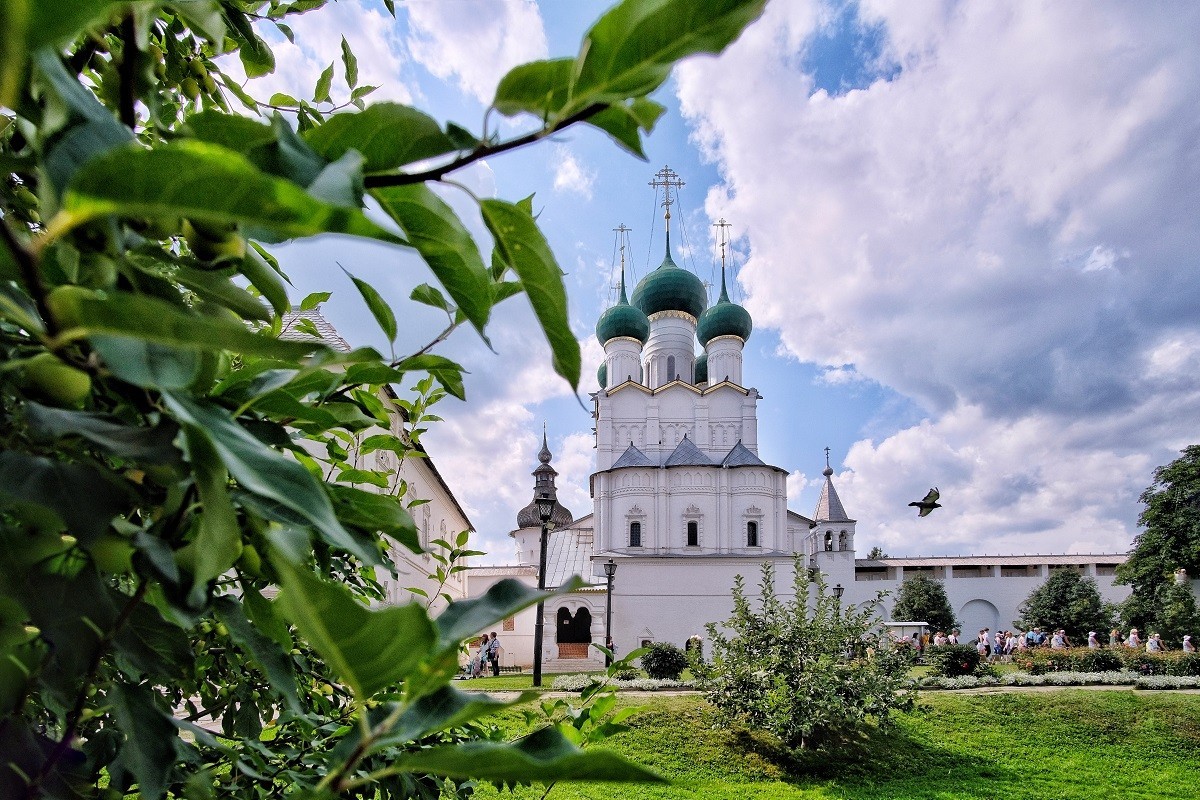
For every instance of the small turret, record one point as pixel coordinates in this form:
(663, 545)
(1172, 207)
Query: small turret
(724, 328)
(544, 475)
(622, 331)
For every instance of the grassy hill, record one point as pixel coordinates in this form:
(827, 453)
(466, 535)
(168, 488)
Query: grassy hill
(1037, 744)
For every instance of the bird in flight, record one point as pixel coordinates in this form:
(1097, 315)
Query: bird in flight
(928, 503)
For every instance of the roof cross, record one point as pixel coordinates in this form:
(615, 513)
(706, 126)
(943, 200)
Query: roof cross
(666, 178)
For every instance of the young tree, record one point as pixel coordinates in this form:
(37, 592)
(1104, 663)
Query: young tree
(1066, 600)
(163, 452)
(1177, 613)
(1170, 538)
(808, 669)
(922, 599)
(877, 552)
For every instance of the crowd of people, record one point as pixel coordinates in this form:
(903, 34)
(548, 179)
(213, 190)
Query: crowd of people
(1002, 644)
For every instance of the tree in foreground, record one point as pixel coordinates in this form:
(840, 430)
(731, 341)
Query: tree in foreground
(1170, 539)
(806, 669)
(164, 454)
(1066, 600)
(922, 599)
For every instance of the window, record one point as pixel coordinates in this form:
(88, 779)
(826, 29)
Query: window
(635, 534)
(693, 533)
(751, 534)
(842, 540)
(828, 541)
(510, 624)
(670, 368)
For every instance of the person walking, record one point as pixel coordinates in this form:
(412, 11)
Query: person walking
(480, 657)
(1154, 644)
(1114, 637)
(1188, 647)
(1093, 642)
(1133, 639)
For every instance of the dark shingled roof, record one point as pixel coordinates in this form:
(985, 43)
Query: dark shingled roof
(632, 457)
(688, 455)
(329, 334)
(740, 456)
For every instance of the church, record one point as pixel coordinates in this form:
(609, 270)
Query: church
(682, 503)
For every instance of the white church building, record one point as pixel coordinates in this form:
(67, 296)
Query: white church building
(682, 503)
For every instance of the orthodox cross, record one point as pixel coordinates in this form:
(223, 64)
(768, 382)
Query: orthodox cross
(666, 178)
(827, 458)
(721, 225)
(622, 238)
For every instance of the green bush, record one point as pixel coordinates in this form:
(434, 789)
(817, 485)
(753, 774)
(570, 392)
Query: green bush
(952, 660)
(1081, 659)
(664, 661)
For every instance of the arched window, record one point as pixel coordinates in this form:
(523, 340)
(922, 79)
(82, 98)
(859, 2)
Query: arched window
(693, 533)
(828, 541)
(670, 368)
(842, 540)
(751, 534)
(635, 534)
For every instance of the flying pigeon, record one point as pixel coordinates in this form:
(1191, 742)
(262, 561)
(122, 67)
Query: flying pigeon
(929, 503)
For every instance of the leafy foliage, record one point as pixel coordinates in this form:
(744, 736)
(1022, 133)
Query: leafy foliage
(952, 660)
(922, 599)
(1170, 541)
(806, 669)
(1066, 600)
(664, 661)
(169, 463)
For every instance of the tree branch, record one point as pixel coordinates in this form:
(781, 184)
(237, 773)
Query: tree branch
(479, 153)
(128, 72)
(31, 276)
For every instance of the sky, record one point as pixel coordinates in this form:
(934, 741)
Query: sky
(967, 234)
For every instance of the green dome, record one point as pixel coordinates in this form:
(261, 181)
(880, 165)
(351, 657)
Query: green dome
(724, 319)
(602, 375)
(623, 320)
(702, 368)
(670, 288)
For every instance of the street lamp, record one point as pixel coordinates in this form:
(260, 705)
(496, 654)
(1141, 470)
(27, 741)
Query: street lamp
(837, 592)
(813, 569)
(545, 506)
(610, 572)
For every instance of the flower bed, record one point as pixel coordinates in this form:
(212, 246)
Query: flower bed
(577, 683)
(1041, 661)
(1123, 677)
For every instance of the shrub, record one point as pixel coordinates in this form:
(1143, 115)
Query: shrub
(952, 660)
(627, 675)
(807, 670)
(664, 660)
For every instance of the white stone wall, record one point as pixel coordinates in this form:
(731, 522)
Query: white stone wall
(672, 340)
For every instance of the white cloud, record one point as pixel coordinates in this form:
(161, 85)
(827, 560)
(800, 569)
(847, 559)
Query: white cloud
(570, 175)
(1002, 231)
(476, 43)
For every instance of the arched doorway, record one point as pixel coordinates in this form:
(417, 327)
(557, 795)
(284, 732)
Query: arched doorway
(977, 614)
(573, 633)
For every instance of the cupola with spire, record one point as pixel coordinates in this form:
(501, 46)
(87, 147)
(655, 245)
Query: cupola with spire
(673, 299)
(724, 329)
(833, 528)
(622, 331)
(544, 475)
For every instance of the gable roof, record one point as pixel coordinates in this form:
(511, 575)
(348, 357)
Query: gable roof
(632, 457)
(740, 456)
(686, 454)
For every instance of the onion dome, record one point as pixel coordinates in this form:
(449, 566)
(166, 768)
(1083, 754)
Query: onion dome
(669, 288)
(528, 516)
(622, 320)
(702, 368)
(602, 375)
(724, 319)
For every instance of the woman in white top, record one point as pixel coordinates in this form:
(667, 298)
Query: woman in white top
(1188, 647)
(1154, 644)
(1058, 641)
(1093, 642)
(1134, 640)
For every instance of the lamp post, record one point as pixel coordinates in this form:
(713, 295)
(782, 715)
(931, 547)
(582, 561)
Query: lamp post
(610, 572)
(813, 569)
(545, 506)
(837, 592)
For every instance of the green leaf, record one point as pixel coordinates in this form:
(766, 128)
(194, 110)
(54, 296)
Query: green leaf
(263, 615)
(177, 180)
(351, 64)
(55, 23)
(502, 600)
(624, 123)
(153, 646)
(82, 496)
(231, 131)
(268, 473)
(629, 52)
(539, 87)
(218, 289)
(281, 99)
(324, 82)
(204, 17)
(441, 710)
(149, 364)
(218, 541)
(148, 319)
(523, 247)
(430, 296)
(369, 649)
(154, 445)
(379, 308)
(257, 267)
(14, 21)
(340, 183)
(375, 513)
(388, 135)
(257, 58)
(543, 756)
(266, 652)
(443, 241)
(149, 749)
(444, 371)
(313, 300)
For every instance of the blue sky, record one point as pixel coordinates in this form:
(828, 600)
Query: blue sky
(966, 233)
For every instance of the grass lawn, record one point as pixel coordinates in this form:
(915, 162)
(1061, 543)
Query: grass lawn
(1044, 745)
